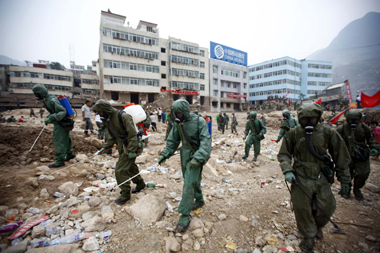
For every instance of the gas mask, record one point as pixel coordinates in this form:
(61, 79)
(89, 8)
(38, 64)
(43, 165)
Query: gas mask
(38, 96)
(103, 115)
(308, 123)
(285, 116)
(353, 122)
(179, 116)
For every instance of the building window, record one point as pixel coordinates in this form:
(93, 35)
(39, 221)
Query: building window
(245, 86)
(202, 76)
(228, 105)
(184, 60)
(234, 85)
(163, 63)
(163, 76)
(202, 87)
(215, 82)
(221, 84)
(202, 64)
(245, 75)
(214, 69)
(184, 47)
(202, 53)
(163, 50)
(215, 93)
(228, 85)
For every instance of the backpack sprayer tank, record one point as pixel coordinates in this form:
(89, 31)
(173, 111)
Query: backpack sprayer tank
(65, 103)
(138, 114)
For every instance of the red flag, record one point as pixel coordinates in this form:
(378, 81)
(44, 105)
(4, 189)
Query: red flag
(289, 102)
(370, 101)
(286, 94)
(319, 101)
(335, 119)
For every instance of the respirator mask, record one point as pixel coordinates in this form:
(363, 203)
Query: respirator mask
(353, 122)
(38, 96)
(285, 116)
(308, 123)
(103, 115)
(179, 117)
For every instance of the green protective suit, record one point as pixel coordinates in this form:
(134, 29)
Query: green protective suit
(226, 119)
(253, 129)
(196, 129)
(287, 124)
(234, 124)
(170, 119)
(307, 171)
(61, 137)
(125, 167)
(10, 119)
(221, 122)
(359, 170)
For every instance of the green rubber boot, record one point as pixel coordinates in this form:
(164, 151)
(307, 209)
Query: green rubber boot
(183, 223)
(57, 164)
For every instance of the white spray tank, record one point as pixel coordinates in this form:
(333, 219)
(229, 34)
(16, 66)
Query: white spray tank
(138, 114)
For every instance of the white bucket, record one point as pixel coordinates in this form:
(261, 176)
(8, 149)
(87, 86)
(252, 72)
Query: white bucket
(137, 113)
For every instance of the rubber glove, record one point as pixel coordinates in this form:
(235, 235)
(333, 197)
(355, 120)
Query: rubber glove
(373, 152)
(289, 176)
(131, 155)
(194, 164)
(245, 137)
(101, 151)
(162, 159)
(277, 141)
(48, 121)
(344, 189)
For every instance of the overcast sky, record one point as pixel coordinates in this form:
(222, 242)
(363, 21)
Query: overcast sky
(265, 29)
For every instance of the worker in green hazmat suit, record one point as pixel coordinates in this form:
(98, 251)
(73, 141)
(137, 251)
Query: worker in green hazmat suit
(221, 122)
(170, 120)
(287, 123)
(357, 137)
(226, 119)
(62, 125)
(308, 144)
(234, 124)
(257, 129)
(192, 130)
(128, 145)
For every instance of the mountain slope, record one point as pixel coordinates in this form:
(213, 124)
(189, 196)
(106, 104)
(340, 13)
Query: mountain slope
(6, 60)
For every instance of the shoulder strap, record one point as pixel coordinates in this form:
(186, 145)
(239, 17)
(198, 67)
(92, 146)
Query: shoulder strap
(254, 126)
(327, 135)
(119, 115)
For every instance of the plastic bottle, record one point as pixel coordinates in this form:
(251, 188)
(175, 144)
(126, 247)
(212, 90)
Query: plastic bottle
(10, 227)
(104, 235)
(106, 186)
(16, 241)
(164, 170)
(59, 195)
(74, 237)
(150, 182)
(156, 185)
(37, 242)
(33, 210)
(54, 231)
(46, 223)
(227, 181)
(87, 197)
(170, 208)
(62, 204)
(107, 214)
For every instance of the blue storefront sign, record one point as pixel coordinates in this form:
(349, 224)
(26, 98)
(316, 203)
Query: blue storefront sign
(228, 54)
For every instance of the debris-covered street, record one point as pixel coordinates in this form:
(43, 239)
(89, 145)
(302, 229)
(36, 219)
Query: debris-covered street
(247, 204)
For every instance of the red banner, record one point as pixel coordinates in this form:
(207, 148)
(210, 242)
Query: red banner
(348, 92)
(21, 230)
(289, 102)
(370, 101)
(286, 95)
(335, 119)
(319, 101)
(236, 96)
(180, 92)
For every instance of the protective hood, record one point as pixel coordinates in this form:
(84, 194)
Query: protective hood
(196, 111)
(309, 110)
(40, 89)
(353, 115)
(287, 113)
(220, 114)
(103, 106)
(253, 115)
(182, 106)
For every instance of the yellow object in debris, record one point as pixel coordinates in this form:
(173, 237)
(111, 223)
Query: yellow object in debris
(198, 211)
(231, 246)
(272, 240)
(248, 180)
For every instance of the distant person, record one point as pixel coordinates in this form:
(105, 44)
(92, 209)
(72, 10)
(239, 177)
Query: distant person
(263, 119)
(2, 118)
(358, 100)
(163, 117)
(42, 112)
(86, 113)
(153, 122)
(21, 119)
(18, 104)
(11, 119)
(32, 113)
(159, 114)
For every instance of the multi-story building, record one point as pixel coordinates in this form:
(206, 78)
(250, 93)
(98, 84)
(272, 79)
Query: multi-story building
(89, 85)
(228, 78)
(288, 76)
(136, 65)
(58, 82)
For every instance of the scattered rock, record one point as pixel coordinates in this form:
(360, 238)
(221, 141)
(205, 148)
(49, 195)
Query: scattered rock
(172, 195)
(196, 223)
(243, 218)
(11, 212)
(44, 194)
(53, 209)
(373, 188)
(254, 222)
(43, 168)
(38, 231)
(172, 244)
(260, 241)
(148, 209)
(197, 246)
(44, 160)
(69, 188)
(141, 159)
(364, 246)
(65, 248)
(3, 210)
(222, 216)
(72, 201)
(94, 201)
(198, 233)
(88, 215)
(175, 177)
(96, 223)
(90, 244)
(370, 238)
